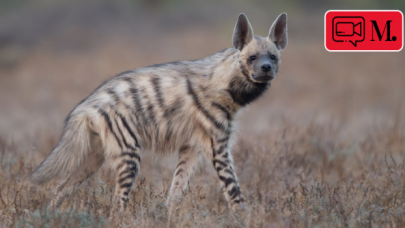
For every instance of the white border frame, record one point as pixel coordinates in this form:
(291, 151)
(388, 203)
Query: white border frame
(324, 31)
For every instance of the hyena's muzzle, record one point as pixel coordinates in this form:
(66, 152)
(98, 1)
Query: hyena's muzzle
(264, 68)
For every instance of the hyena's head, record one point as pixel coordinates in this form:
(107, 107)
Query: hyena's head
(260, 56)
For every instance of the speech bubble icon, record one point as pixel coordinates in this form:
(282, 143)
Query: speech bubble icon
(348, 29)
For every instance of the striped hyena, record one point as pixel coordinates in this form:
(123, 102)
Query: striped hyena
(186, 107)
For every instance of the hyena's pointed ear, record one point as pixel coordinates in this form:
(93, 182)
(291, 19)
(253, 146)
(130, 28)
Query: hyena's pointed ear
(243, 32)
(278, 32)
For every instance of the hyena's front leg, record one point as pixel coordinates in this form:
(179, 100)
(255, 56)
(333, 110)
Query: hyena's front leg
(185, 167)
(223, 164)
(127, 166)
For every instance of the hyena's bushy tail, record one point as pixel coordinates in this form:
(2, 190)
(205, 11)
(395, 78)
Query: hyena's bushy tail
(70, 152)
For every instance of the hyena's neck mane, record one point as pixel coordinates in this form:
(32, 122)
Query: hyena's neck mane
(244, 92)
(232, 76)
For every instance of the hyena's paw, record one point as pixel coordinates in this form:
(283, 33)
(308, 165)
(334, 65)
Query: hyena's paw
(118, 208)
(114, 214)
(242, 213)
(117, 216)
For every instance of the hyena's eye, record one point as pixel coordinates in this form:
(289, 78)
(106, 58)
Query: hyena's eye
(273, 57)
(253, 57)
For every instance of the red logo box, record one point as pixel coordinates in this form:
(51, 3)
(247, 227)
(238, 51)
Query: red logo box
(364, 30)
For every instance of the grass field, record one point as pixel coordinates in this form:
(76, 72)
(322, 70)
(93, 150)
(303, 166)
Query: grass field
(324, 147)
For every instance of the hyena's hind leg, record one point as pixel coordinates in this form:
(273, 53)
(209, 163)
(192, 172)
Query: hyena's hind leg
(185, 167)
(92, 163)
(127, 166)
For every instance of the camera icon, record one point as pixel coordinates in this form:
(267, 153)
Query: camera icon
(348, 29)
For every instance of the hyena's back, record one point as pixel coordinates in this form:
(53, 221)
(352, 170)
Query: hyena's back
(159, 109)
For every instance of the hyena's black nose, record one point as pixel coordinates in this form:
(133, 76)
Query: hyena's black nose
(266, 67)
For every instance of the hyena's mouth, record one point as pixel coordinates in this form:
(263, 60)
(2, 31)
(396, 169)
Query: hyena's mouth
(264, 78)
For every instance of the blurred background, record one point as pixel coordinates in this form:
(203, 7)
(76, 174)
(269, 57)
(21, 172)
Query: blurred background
(328, 117)
(54, 53)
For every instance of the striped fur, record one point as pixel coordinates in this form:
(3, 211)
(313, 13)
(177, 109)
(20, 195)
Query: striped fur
(186, 107)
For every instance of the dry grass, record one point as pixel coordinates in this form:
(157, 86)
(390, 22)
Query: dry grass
(325, 147)
(298, 177)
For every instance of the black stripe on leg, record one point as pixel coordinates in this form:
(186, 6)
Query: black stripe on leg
(219, 168)
(131, 164)
(220, 162)
(222, 148)
(129, 170)
(179, 171)
(234, 192)
(126, 185)
(132, 155)
(129, 176)
(223, 139)
(181, 163)
(108, 120)
(227, 181)
(230, 172)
